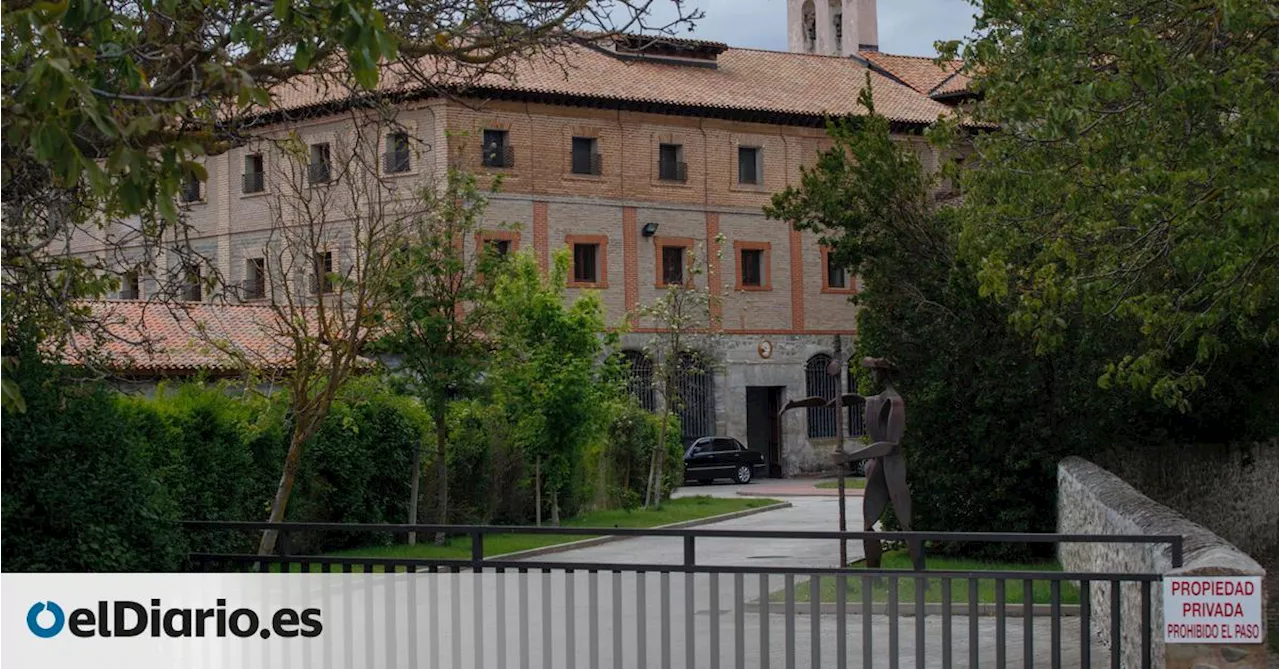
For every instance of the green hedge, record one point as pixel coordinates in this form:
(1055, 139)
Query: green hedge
(80, 492)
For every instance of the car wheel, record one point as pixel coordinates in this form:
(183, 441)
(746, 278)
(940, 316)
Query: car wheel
(744, 474)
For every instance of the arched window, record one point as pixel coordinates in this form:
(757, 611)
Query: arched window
(695, 397)
(822, 420)
(640, 378)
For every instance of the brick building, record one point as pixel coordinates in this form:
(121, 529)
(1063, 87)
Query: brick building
(640, 150)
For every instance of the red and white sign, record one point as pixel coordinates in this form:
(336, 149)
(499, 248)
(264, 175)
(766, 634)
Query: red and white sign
(1213, 609)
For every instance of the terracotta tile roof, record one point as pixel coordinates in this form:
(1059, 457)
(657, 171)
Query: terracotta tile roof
(921, 73)
(956, 84)
(185, 337)
(746, 80)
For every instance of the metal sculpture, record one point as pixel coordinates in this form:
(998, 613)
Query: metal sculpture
(886, 471)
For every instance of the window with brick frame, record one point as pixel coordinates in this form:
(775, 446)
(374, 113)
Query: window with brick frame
(322, 270)
(585, 156)
(254, 174)
(754, 265)
(590, 258)
(255, 278)
(320, 169)
(130, 286)
(497, 151)
(192, 284)
(835, 277)
(671, 166)
(396, 159)
(585, 263)
(673, 259)
(750, 165)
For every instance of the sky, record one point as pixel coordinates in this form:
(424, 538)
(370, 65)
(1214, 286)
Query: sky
(906, 26)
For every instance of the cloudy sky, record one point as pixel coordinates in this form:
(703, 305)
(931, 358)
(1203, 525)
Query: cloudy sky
(906, 26)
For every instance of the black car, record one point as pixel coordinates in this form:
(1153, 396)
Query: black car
(710, 458)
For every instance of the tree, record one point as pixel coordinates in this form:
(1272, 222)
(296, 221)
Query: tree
(681, 316)
(109, 106)
(547, 371)
(1131, 180)
(443, 312)
(329, 269)
(989, 416)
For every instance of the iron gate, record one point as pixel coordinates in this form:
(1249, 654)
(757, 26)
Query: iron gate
(687, 613)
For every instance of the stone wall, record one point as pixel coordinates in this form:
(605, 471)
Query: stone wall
(1232, 490)
(1092, 500)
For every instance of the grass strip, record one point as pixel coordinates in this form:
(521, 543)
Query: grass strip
(899, 559)
(459, 548)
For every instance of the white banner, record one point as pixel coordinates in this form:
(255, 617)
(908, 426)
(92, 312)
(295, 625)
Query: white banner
(1213, 609)
(272, 621)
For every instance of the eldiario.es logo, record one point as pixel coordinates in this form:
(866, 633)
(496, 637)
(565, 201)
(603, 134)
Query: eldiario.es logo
(124, 618)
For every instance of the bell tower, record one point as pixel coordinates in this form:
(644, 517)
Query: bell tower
(832, 27)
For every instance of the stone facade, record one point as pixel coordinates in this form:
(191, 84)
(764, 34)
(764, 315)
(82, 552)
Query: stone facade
(1092, 500)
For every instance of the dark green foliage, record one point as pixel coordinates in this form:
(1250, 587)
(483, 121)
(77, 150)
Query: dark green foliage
(632, 435)
(357, 467)
(80, 492)
(216, 450)
(990, 413)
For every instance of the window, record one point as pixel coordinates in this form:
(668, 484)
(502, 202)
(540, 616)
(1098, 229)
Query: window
(253, 180)
(822, 420)
(586, 158)
(835, 277)
(191, 188)
(255, 278)
(129, 286)
(500, 248)
(497, 152)
(584, 263)
(838, 19)
(671, 165)
(192, 285)
(750, 168)
(640, 378)
(753, 265)
(319, 170)
(695, 388)
(673, 259)
(322, 267)
(397, 157)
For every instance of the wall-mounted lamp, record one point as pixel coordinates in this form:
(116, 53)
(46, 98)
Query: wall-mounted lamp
(650, 229)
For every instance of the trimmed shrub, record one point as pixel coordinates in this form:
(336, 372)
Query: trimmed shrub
(81, 493)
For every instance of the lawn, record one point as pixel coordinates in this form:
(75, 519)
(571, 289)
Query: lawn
(849, 482)
(933, 592)
(672, 511)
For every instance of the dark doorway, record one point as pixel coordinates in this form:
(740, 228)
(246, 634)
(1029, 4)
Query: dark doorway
(764, 431)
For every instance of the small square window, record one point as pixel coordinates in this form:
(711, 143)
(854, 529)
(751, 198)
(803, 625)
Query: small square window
(752, 267)
(319, 169)
(497, 149)
(586, 157)
(322, 279)
(254, 177)
(397, 157)
(750, 168)
(673, 259)
(585, 266)
(255, 279)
